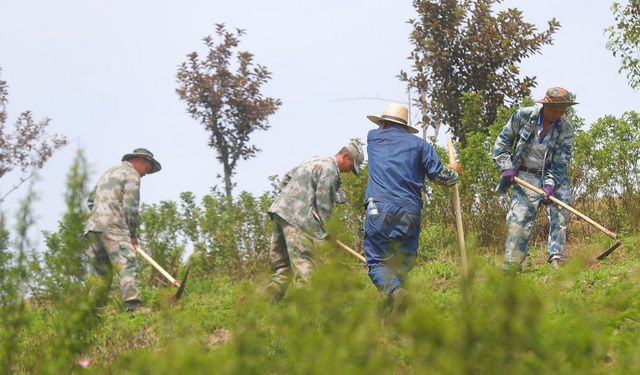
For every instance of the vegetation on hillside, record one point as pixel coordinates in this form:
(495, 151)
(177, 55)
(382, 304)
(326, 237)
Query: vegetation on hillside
(584, 318)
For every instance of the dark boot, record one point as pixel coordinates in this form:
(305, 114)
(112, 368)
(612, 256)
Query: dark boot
(275, 292)
(399, 300)
(135, 306)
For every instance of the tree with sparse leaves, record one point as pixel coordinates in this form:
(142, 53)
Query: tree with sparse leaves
(28, 146)
(624, 39)
(463, 46)
(230, 105)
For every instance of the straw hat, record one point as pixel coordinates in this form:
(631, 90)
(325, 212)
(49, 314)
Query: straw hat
(145, 154)
(557, 97)
(396, 113)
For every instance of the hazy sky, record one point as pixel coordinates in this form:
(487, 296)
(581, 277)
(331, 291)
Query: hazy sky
(104, 72)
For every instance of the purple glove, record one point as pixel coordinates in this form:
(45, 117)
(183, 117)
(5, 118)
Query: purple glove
(548, 191)
(509, 175)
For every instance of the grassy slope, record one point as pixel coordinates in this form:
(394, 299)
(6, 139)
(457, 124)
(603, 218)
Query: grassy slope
(583, 318)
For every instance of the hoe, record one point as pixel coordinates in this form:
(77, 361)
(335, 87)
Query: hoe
(555, 200)
(351, 251)
(174, 282)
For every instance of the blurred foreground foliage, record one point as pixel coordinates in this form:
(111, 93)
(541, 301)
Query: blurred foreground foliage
(579, 320)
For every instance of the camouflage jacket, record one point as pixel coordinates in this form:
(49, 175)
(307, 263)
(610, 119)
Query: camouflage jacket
(114, 201)
(518, 134)
(308, 194)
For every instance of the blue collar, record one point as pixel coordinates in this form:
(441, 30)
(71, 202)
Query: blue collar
(397, 126)
(539, 119)
(539, 122)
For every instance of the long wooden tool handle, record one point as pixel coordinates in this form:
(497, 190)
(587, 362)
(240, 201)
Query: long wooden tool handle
(562, 204)
(351, 251)
(157, 267)
(458, 212)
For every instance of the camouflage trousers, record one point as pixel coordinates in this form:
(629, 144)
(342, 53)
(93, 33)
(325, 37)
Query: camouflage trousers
(113, 253)
(522, 215)
(290, 248)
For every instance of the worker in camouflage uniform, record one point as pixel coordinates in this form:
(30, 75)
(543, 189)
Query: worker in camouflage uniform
(112, 227)
(399, 163)
(536, 145)
(300, 210)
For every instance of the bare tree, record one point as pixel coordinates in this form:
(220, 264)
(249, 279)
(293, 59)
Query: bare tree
(28, 146)
(228, 104)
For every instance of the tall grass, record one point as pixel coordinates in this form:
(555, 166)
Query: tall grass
(578, 320)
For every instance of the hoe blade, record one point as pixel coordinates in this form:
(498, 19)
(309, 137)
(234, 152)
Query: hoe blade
(609, 250)
(182, 284)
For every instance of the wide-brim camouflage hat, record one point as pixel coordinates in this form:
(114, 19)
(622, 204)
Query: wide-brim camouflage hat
(557, 96)
(145, 154)
(358, 155)
(396, 113)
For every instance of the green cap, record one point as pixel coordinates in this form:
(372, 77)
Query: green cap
(145, 154)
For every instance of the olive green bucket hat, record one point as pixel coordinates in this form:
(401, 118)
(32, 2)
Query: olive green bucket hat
(145, 154)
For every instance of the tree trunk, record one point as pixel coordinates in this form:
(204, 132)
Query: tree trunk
(227, 180)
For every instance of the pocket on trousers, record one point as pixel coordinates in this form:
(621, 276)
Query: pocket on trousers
(372, 223)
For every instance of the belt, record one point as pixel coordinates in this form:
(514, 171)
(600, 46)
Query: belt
(537, 172)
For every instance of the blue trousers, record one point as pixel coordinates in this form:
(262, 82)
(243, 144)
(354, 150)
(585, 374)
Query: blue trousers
(390, 245)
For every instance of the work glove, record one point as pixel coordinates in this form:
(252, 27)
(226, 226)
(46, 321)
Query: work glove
(509, 175)
(548, 191)
(456, 167)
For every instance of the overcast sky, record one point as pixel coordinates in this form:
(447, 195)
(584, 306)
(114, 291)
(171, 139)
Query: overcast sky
(104, 72)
